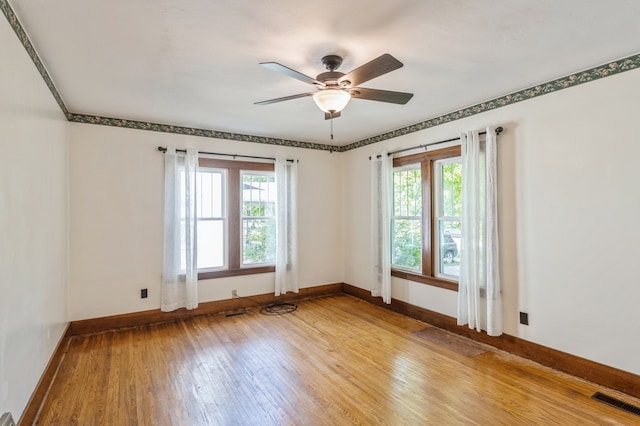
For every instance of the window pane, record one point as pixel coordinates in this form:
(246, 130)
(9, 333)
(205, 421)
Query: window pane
(211, 244)
(258, 241)
(406, 250)
(211, 212)
(451, 178)
(406, 246)
(258, 195)
(407, 193)
(449, 237)
(211, 194)
(258, 218)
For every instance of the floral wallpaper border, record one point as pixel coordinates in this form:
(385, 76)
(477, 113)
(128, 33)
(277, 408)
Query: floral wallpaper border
(595, 73)
(192, 131)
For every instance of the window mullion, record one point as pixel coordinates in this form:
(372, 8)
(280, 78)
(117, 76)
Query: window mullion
(427, 258)
(233, 217)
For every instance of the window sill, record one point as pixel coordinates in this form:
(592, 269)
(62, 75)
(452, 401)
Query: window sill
(205, 275)
(425, 279)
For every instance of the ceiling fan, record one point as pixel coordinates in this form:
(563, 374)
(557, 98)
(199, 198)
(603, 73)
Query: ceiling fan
(335, 89)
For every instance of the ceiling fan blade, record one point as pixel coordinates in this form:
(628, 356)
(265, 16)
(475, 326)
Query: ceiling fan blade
(329, 115)
(380, 95)
(379, 66)
(291, 73)
(286, 98)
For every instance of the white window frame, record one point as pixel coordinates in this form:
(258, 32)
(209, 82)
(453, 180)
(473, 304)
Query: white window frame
(224, 214)
(438, 218)
(243, 217)
(415, 166)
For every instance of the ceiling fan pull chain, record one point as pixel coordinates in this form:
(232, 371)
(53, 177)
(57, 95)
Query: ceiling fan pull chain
(331, 126)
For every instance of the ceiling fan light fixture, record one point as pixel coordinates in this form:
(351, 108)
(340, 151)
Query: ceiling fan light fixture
(331, 100)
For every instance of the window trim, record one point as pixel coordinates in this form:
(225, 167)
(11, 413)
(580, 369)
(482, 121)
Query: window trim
(427, 166)
(234, 225)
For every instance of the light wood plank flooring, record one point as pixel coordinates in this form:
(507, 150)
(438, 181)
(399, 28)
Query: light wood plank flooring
(335, 361)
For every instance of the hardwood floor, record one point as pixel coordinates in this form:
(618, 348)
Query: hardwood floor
(336, 360)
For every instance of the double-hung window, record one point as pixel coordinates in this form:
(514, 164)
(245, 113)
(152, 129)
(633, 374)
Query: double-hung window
(406, 221)
(258, 218)
(447, 220)
(211, 184)
(236, 218)
(425, 223)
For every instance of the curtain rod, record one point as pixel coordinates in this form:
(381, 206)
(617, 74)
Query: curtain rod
(498, 131)
(164, 149)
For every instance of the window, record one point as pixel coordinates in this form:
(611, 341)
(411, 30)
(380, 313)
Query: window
(236, 218)
(258, 218)
(406, 221)
(211, 208)
(425, 224)
(447, 212)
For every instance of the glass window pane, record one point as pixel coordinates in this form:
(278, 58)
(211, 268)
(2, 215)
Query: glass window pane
(406, 243)
(258, 241)
(406, 250)
(211, 199)
(204, 204)
(258, 218)
(258, 195)
(407, 193)
(449, 237)
(451, 178)
(211, 244)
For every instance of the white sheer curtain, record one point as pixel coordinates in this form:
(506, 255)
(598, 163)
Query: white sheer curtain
(180, 268)
(381, 176)
(479, 293)
(286, 226)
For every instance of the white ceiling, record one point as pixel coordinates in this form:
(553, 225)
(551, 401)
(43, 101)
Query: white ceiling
(194, 63)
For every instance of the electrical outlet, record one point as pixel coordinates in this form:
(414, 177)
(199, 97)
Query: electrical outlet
(143, 293)
(234, 294)
(524, 318)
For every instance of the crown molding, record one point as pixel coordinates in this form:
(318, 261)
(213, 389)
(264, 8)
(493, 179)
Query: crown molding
(606, 70)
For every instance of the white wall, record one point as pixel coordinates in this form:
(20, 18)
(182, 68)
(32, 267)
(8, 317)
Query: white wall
(569, 206)
(116, 219)
(33, 224)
